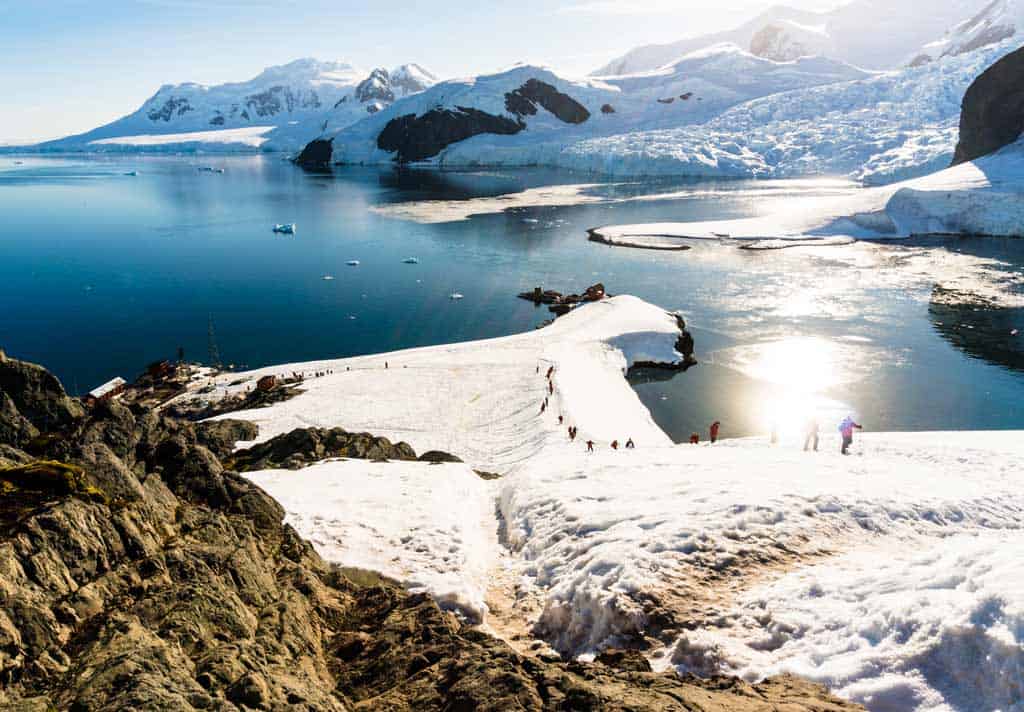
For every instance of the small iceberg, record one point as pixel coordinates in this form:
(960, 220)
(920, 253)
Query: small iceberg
(285, 228)
(455, 296)
(410, 261)
(210, 169)
(353, 263)
(132, 173)
(328, 278)
(531, 221)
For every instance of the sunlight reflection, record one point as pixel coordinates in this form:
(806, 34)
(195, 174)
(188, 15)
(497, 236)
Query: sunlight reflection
(798, 372)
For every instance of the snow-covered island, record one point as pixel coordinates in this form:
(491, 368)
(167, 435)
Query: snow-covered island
(890, 575)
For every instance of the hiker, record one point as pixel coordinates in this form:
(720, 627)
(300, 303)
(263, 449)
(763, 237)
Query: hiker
(543, 407)
(713, 431)
(538, 369)
(811, 435)
(551, 388)
(615, 444)
(694, 439)
(846, 429)
(550, 371)
(630, 445)
(385, 365)
(572, 435)
(560, 420)
(590, 446)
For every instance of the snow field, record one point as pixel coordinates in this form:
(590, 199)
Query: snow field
(429, 526)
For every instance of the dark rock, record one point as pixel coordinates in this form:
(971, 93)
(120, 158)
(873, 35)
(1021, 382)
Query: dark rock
(417, 138)
(304, 446)
(594, 293)
(438, 456)
(560, 309)
(607, 109)
(220, 436)
(669, 100)
(993, 109)
(625, 660)
(316, 154)
(37, 396)
(524, 100)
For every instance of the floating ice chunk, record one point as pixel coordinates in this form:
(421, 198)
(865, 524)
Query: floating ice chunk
(531, 221)
(455, 296)
(353, 263)
(411, 261)
(328, 278)
(285, 228)
(132, 173)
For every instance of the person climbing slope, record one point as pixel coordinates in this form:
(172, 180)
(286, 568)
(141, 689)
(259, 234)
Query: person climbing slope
(590, 446)
(846, 430)
(811, 435)
(713, 431)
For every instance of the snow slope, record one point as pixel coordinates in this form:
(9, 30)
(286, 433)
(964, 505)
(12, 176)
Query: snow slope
(430, 526)
(743, 117)
(877, 34)
(742, 556)
(997, 21)
(689, 92)
(291, 102)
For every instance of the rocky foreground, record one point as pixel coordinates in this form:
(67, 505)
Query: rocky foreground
(137, 572)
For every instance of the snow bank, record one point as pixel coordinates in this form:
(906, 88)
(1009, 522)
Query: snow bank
(481, 400)
(242, 139)
(428, 526)
(603, 535)
(934, 626)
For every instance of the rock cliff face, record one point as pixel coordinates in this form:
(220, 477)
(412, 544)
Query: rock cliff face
(136, 572)
(417, 138)
(993, 109)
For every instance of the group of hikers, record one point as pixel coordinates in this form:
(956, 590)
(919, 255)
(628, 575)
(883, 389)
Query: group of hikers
(811, 429)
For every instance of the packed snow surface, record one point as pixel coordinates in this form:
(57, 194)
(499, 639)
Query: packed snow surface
(772, 552)
(430, 526)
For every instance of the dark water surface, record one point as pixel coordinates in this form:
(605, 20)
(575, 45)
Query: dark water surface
(102, 272)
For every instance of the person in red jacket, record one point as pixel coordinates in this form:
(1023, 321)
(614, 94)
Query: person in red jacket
(846, 430)
(713, 431)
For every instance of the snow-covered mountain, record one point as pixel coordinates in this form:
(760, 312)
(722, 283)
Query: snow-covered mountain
(528, 105)
(306, 92)
(719, 112)
(999, 20)
(876, 34)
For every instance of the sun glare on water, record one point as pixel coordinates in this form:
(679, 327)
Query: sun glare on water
(798, 372)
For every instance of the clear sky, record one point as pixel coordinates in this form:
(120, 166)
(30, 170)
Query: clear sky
(70, 65)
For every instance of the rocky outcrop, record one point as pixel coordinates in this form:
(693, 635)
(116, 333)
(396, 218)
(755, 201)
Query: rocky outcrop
(560, 304)
(221, 436)
(316, 154)
(993, 109)
(438, 456)
(524, 101)
(607, 109)
(417, 138)
(137, 573)
(304, 446)
(376, 87)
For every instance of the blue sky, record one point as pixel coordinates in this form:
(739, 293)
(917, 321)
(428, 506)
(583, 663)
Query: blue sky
(70, 65)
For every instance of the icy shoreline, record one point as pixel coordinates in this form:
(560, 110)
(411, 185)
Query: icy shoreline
(664, 545)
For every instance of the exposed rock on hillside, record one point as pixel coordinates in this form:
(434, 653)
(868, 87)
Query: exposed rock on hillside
(417, 138)
(316, 154)
(304, 446)
(993, 109)
(137, 573)
(524, 100)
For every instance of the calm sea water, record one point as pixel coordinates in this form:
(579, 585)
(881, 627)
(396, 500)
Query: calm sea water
(102, 272)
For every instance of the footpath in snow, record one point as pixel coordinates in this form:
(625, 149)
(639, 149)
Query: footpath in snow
(741, 556)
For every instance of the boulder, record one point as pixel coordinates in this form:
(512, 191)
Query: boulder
(607, 109)
(438, 456)
(37, 396)
(220, 436)
(992, 114)
(625, 660)
(304, 446)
